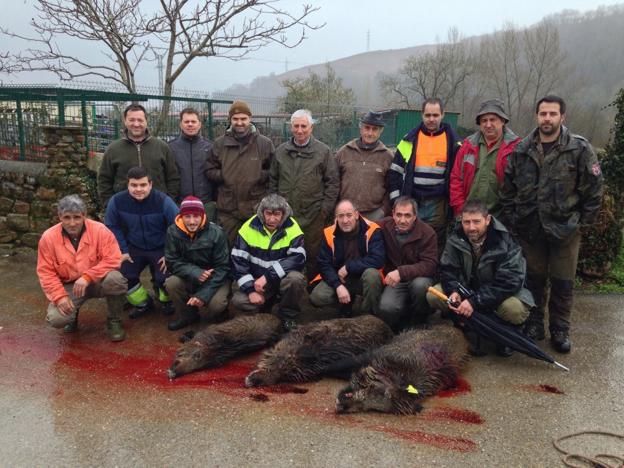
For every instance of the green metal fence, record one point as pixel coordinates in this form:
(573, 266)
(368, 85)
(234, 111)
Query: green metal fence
(98, 109)
(25, 109)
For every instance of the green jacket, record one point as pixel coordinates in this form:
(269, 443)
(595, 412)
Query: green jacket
(188, 257)
(552, 194)
(499, 274)
(307, 178)
(241, 170)
(123, 154)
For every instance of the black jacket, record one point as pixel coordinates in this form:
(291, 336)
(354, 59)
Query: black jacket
(191, 154)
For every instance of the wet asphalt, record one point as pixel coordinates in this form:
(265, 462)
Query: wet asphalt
(80, 400)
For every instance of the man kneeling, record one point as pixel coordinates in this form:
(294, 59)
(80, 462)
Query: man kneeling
(481, 255)
(411, 262)
(197, 255)
(79, 259)
(268, 259)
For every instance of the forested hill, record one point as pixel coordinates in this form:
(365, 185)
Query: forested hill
(591, 68)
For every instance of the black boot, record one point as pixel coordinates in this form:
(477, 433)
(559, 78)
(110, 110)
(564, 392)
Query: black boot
(140, 311)
(189, 316)
(560, 340)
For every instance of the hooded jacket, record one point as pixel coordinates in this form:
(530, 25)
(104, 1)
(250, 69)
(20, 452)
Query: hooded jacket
(258, 252)
(555, 196)
(187, 256)
(500, 272)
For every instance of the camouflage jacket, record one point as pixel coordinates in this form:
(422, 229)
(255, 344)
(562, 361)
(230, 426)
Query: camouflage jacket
(552, 194)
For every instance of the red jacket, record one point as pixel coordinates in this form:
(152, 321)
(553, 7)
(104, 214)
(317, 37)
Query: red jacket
(467, 160)
(58, 263)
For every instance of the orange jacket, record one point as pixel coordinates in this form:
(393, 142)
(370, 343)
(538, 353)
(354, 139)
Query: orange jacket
(58, 263)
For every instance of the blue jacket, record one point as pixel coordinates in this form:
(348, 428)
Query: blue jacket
(256, 252)
(331, 256)
(141, 224)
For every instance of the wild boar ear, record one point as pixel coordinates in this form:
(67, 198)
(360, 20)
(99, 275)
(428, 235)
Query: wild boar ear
(197, 354)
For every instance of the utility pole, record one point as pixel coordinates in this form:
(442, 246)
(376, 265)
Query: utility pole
(368, 41)
(286, 64)
(160, 67)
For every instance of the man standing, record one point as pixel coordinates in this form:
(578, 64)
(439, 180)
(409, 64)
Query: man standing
(422, 167)
(139, 218)
(351, 257)
(481, 255)
(480, 163)
(411, 262)
(553, 185)
(198, 258)
(363, 164)
(137, 148)
(78, 259)
(191, 149)
(268, 259)
(239, 163)
(304, 173)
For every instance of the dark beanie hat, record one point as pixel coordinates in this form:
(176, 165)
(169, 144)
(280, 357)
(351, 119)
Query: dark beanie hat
(192, 205)
(239, 107)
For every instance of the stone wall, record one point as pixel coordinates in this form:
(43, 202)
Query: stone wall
(29, 192)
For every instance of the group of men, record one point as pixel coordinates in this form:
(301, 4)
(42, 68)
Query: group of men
(361, 230)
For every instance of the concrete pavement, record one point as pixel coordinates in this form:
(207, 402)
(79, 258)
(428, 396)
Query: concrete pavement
(80, 400)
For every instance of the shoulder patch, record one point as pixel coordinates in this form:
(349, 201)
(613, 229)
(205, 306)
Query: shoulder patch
(596, 169)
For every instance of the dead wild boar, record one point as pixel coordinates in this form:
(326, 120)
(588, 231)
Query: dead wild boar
(413, 366)
(304, 353)
(216, 344)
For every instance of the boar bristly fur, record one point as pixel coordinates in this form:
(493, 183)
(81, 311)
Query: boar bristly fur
(218, 343)
(305, 353)
(413, 366)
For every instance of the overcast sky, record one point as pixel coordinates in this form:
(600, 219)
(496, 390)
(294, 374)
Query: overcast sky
(392, 24)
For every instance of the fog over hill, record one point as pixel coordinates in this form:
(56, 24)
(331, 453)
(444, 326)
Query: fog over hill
(591, 43)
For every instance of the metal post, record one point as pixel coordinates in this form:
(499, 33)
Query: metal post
(85, 124)
(210, 129)
(20, 130)
(60, 101)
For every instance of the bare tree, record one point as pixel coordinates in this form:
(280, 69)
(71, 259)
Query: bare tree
(521, 66)
(118, 25)
(178, 30)
(440, 73)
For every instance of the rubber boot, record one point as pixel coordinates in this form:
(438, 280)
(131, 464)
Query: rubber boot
(189, 316)
(114, 326)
